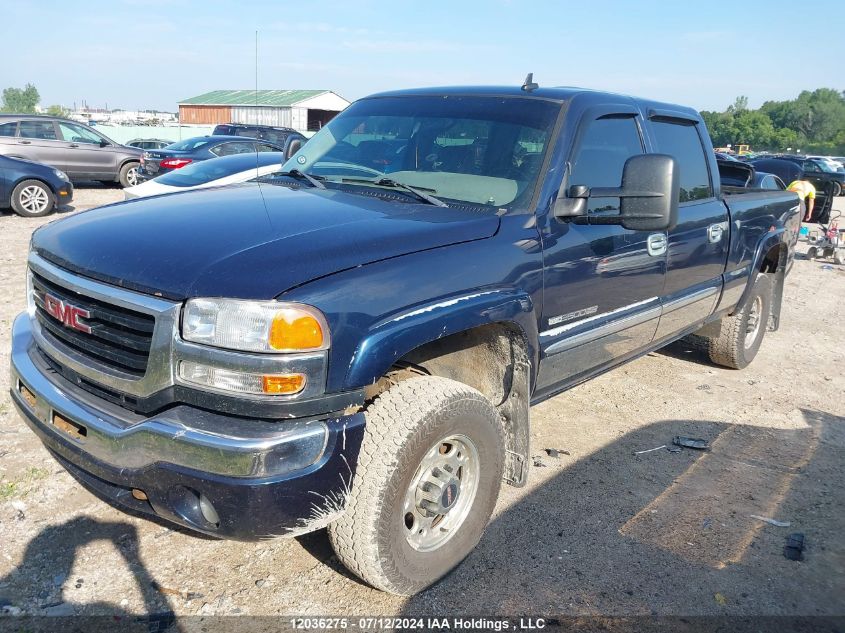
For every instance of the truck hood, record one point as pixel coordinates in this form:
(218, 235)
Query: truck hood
(247, 241)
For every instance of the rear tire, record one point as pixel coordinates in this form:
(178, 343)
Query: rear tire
(741, 334)
(812, 252)
(33, 199)
(128, 175)
(837, 189)
(410, 519)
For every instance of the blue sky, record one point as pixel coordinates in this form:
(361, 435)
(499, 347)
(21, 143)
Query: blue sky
(150, 54)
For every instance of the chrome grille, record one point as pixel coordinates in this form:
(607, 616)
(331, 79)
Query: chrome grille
(119, 338)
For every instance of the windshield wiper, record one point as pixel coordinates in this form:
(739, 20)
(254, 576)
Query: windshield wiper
(388, 182)
(301, 175)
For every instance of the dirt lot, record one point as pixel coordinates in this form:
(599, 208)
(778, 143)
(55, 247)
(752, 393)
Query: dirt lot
(598, 530)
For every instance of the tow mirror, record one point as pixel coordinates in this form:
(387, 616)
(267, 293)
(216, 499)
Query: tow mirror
(648, 196)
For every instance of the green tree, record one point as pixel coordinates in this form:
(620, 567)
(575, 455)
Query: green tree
(57, 110)
(20, 100)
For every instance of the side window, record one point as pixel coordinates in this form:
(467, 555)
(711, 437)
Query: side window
(9, 129)
(264, 147)
(811, 166)
(682, 141)
(38, 129)
(78, 134)
(602, 151)
(227, 149)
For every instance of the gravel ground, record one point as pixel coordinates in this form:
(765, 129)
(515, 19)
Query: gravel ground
(598, 529)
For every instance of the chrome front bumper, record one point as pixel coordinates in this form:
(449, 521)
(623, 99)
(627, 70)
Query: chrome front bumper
(182, 436)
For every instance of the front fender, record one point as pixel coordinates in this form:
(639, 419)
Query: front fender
(395, 336)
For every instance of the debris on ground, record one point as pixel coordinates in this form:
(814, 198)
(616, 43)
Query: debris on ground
(770, 521)
(556, 452)
(10, 610)
(794, 548)
(720, 599)
(538, 461)
(649, 450)
(185, 595)
(691, 442)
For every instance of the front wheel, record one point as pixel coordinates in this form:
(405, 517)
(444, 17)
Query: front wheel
(427, 479)
(741, 334)
(33, 199)
(128, 175)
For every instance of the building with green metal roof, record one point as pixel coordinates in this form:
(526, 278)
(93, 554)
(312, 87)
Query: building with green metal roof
(299, 109)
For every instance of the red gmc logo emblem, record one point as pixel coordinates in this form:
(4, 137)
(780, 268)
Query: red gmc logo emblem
(68, 314)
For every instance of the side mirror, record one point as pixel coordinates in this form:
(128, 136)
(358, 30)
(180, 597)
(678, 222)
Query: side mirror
(104, 143)
(648, 196)
(651, 185)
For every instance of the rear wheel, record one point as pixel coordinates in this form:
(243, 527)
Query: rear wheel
(427, 479)
(837, 189)
(741, 334)
(128, 175)
(812, 252)
(32, 199)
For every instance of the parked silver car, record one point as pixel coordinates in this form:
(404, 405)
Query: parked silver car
(76, 149)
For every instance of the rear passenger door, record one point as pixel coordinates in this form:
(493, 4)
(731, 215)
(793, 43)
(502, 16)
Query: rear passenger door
(698, 245)
(38, 140)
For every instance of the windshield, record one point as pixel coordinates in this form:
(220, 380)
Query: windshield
(208, 170)
(478, 150)
(189, 144)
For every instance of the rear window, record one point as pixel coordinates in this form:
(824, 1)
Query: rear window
(189, 144)
(681, 140)
(8, 129)
(199, 173)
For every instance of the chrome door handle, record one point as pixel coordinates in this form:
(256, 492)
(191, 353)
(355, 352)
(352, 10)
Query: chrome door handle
(714, 232)
(657, 243)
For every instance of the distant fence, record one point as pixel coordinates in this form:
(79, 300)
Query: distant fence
(125, 133)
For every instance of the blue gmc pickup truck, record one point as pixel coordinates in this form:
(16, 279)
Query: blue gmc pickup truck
(356, 342)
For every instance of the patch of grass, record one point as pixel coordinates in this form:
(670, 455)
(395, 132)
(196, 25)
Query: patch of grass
(8, 490)
(34, 473)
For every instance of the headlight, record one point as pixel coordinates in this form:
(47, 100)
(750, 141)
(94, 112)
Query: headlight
(61, 175)
(255, 326)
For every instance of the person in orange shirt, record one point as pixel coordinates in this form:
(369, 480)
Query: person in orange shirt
(807, 192)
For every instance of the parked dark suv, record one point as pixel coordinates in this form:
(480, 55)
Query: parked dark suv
(289, 138)
(75, 148)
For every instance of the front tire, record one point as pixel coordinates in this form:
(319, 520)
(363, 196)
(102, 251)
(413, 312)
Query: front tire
(741, 334)
(33, 199)
(128, 175)
(428, 476)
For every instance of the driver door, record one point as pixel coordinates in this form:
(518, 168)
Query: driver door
(602, 282)
(84, 157)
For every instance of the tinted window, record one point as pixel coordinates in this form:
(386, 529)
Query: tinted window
(682, 141)
(602, 151)
(38, 129)
(227, 149)
(189, 144)
(8, 129)
(811, 166)
(263, 147)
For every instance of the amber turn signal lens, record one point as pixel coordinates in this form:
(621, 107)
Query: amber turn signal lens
(295, 333)
(287, 384)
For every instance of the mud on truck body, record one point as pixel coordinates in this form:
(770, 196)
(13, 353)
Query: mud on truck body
(356, 342)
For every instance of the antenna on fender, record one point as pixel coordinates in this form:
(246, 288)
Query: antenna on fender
(528, 85)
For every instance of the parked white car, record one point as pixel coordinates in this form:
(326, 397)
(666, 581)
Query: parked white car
(216, 172)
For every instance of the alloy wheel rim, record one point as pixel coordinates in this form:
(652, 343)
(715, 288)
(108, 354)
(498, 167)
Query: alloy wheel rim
(441, 493)
(752, 325)
(34, 199)
(132, 176)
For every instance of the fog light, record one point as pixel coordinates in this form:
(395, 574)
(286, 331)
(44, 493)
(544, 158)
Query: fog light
(241, 382)
(208, 511)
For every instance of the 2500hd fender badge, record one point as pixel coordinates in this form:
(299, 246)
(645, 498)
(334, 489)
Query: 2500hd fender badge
(573, 315)
(68, 314)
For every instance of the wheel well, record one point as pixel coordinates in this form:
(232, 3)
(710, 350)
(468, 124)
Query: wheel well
(491, 358)
(774, 260)
(41, 180)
